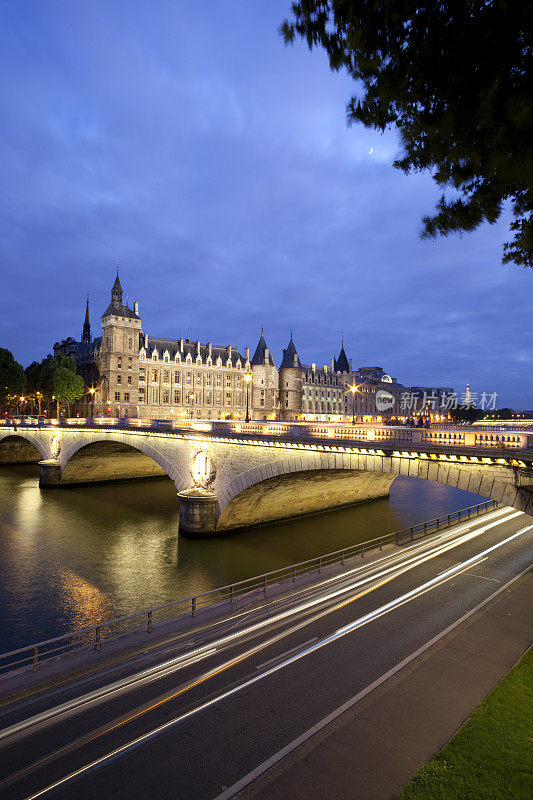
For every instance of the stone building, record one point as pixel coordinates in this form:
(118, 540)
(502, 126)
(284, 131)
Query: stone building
(129, 373)
(143, 376)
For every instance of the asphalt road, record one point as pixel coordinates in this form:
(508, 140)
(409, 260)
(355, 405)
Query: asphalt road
(191, 718)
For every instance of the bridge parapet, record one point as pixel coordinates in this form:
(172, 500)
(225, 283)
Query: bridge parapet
(453, 436)
(259, 472)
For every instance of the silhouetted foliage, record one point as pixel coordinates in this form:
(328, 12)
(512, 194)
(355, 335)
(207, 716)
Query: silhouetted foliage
(12, 377)
(455, 79)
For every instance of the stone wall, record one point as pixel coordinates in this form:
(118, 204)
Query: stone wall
(15, 450)
(109, 461)
(302, 493)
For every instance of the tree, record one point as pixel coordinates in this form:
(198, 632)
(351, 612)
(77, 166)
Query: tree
(466, 414)
(68, 387)
(454, 77)
(12, 377)
(41, 377)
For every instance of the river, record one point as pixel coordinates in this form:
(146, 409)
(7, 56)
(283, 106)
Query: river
(72, 557)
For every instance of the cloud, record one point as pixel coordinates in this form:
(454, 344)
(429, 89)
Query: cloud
(186, 142)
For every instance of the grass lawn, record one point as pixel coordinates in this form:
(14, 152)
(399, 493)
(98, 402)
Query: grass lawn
(490, 757)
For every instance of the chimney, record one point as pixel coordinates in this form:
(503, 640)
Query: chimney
(181, 345)
(146, 341)
(351, 368)
(267, 356)
(295, 359)
(209, 349)
(326, 368)
(313, 366)
(247, 353)
(332, 363)
(136, 307)
(197, 348)
(228, 350)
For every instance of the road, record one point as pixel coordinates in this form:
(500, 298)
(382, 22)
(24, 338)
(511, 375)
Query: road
(190, 719)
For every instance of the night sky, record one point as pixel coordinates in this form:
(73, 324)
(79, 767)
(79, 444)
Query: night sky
(186, 142)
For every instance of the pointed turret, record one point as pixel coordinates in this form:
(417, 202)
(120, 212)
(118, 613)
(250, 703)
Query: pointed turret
(341, 363)
(116, 292)
(290, 357)
(86, 335)
(262, 353)
(265, 382)
(290, 383)
(116, 307)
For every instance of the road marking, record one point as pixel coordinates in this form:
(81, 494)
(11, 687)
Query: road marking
(390, 606)
(285, 751)
(287, 653)
(415, 557)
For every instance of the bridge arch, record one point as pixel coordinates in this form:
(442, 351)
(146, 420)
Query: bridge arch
(488, 481)
(21, 447)
(99, 447)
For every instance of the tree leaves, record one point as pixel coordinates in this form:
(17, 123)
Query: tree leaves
(454, 77)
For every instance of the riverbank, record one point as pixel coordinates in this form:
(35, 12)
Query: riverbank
(73, 558)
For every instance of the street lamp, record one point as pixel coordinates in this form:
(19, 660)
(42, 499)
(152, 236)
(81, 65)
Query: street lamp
(247, 378)
(191, 401)
(91, 392)
(353, 388)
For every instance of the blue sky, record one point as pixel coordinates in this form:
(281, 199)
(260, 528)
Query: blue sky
(186, 142)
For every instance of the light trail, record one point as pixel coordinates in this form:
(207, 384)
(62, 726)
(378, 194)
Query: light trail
(338, 634)
(418, 557)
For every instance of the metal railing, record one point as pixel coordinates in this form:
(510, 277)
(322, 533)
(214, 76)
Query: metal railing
(96, 636)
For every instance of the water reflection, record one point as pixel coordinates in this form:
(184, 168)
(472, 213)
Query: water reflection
(75, 556)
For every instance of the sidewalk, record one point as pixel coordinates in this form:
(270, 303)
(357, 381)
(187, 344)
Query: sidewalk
(372, 750)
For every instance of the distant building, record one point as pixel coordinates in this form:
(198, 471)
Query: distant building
(134, 374)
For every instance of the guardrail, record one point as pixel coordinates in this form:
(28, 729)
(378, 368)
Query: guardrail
(96, 636)
(372, 434)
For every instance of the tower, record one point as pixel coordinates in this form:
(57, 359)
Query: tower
(265, 382)
(86, 335)
(290, 383)
(119, 356)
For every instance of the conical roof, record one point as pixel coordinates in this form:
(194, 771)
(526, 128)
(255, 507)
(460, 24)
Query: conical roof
(341, 363)
(288, 356)
(116, 286)
(259, 355)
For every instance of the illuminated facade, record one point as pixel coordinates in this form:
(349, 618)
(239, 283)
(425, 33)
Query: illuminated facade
(129, 373)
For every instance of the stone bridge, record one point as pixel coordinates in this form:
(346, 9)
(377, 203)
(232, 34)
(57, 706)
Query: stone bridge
(231, 475)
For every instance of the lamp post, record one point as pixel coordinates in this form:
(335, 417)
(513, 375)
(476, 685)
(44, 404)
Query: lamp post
(353, 389)
(247, 380)
(191, 401)
(91, 392)
(39, 397)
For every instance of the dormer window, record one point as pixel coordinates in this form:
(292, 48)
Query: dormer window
(154, 356)
(142, 355)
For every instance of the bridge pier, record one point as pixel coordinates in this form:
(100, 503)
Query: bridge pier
(197, 512)
(49, 473)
